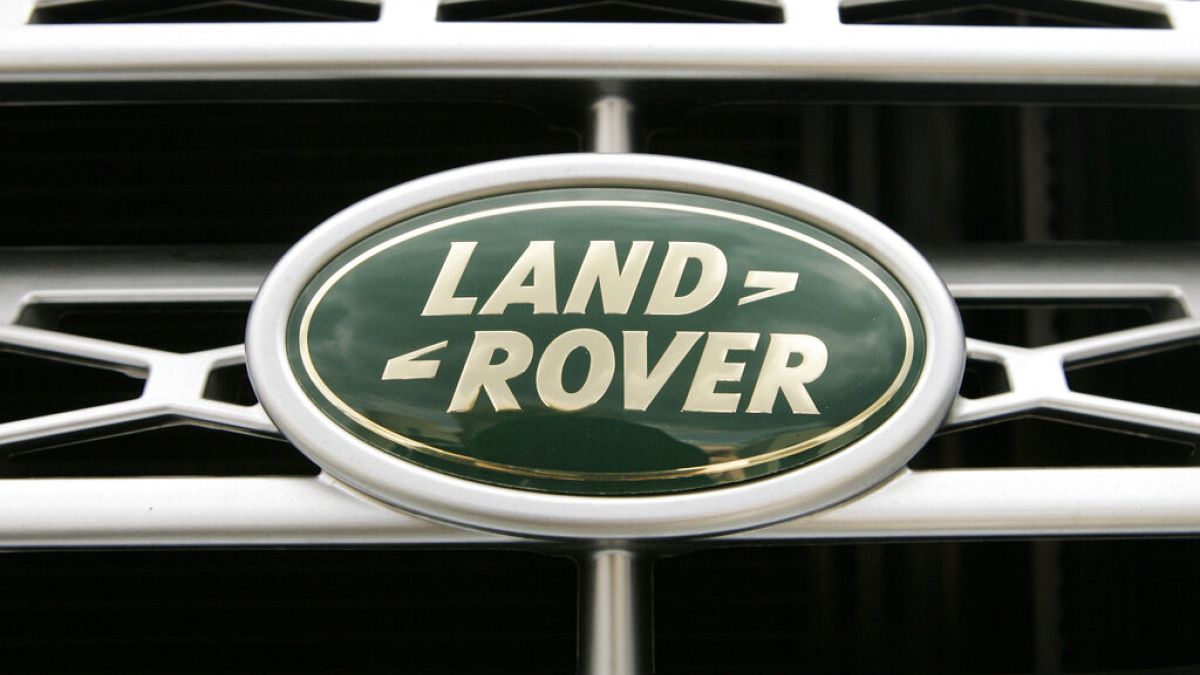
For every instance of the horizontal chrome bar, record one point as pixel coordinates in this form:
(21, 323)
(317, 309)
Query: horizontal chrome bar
(223, 274)
(206, 511)
(276, 511)
(1010, 502)
(407, 42)
(306, 511)
(130, 275)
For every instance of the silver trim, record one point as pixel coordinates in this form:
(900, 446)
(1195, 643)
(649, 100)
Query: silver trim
(174, 386)
(299, 511)
(755, 503)
(612, 125)
(812, 44)
(1037, 379)
(615, 614)
(309, 511)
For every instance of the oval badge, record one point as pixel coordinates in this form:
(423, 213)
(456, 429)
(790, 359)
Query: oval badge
(625, 339)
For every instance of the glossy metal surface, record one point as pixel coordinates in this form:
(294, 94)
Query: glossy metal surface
(303, 511)
(615, 612)
(754, 503)
(612, 125)
(1010, 502)
(407, 41)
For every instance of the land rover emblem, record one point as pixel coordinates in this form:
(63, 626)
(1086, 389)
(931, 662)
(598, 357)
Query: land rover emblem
(580, 346)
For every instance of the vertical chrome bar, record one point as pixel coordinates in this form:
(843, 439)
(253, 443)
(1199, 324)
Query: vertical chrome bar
(612, 125)
(614, 583)
(615, 613)
(409, 13)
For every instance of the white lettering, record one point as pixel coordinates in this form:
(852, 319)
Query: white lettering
(480, 373)
(713, 368)
(601, 368)
(642, 388)
(617, 285)
(441, 300)
(713, 269)
(538, 262)
(642, 383)
(410, 367)
(777, 376)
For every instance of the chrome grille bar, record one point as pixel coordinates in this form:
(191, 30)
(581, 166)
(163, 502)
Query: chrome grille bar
(407, 41)
(304, 511)
(299, 510)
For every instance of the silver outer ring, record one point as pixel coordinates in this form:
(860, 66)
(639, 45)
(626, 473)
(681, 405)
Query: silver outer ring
(802, 490)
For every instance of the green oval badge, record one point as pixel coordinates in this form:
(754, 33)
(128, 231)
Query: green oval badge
(605, 341)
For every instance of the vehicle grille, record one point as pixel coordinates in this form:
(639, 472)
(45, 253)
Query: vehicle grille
(1045, 158)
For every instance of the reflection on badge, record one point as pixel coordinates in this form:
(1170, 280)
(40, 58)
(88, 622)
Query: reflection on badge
(623, 340)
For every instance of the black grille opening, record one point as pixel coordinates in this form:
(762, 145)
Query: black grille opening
(1041, 442)
(1033, 13)
(155, 448)
(268, 172)
(32, 385)
(1036, 323)
(170, 326)
(938, 608)
(610, 11)
(1160, 376)
(297, 611)
(203, 11)
(967, 173)
(983, 378)
(244, 173)
(231, 384)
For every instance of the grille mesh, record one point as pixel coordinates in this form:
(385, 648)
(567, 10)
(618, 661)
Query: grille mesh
(1087, 362)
